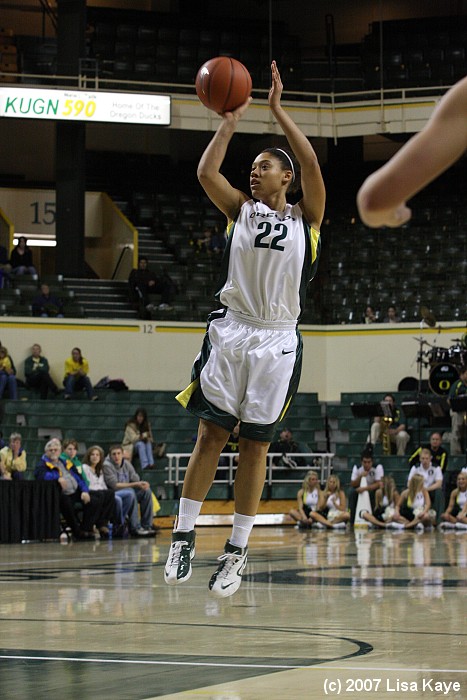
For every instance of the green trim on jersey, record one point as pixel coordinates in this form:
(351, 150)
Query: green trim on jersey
(310, 262)
(224, 265)
(193, 399)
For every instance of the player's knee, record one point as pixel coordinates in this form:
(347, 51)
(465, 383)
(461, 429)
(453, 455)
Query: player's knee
(211, 436)
(253, 448)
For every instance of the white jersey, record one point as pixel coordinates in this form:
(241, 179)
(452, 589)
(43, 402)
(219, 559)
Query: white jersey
(418, 501)
(333, 501)
(311, 499)
(430, 475)
(372, 475)
(461, 499)
(269, 259)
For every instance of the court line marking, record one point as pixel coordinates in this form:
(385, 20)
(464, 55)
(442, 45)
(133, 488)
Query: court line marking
(317, 667)
(390, 668)
(148, 663)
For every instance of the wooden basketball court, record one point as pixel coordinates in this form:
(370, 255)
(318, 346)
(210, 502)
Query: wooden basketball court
(357, 614)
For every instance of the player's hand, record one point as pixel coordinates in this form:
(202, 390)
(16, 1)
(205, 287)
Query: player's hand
(393, 218)
(398, 217)
(275, 92)
(237, 114)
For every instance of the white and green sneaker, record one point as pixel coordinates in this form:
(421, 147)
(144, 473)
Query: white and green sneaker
(182, 550)
(228, 577)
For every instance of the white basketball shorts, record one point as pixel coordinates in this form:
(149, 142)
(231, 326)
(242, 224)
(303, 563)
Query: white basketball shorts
(247, 370)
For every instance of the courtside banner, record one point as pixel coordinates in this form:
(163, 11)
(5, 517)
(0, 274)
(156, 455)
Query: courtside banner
(77, 105)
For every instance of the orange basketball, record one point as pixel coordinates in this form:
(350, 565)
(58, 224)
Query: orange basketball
(223, 84)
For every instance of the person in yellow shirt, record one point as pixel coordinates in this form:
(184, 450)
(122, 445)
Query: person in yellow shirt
(7, 375)
(13, 459)
(76, 375)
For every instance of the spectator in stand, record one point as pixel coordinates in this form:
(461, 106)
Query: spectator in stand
(11, 360)
(288, 446)
(70, 452)
(211, 242)
(76, 375)
(370, 315)
(138, 435)
(13, 462)
(116, 503)
(218, 241)
(392, 315)
(120, 475)
(21, 259)
(396, 430)
(457, 503)
(374, 480)
(7, 375)
(73, 490)
(439, 456)
(142, 282)
(106, 500)
(36, 371)
(46, 304)
(432, 478)
(203, 242)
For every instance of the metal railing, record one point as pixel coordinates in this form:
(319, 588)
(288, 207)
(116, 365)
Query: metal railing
(320, 462)
(324, 104)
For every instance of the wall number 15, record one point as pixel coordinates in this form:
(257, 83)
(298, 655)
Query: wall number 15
(44, 213)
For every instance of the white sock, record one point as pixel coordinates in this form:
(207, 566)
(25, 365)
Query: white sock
(187, 513)
(242, 526)
(397, 526)
(339, 526)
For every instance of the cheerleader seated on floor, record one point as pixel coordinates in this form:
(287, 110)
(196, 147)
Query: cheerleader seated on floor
(414, 509)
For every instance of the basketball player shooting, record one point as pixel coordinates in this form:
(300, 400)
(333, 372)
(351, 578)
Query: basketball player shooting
(249, 366)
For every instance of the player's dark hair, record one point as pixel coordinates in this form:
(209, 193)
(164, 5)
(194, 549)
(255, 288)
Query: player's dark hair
(288, 162)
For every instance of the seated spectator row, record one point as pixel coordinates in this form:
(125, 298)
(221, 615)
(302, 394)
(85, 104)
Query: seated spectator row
(107, 489)
(374, 500)
(37, 375)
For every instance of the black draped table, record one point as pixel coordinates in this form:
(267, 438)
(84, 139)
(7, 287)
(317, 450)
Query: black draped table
(29, 510)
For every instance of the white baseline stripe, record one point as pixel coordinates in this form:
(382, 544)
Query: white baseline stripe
(144, 663)
(318, 667)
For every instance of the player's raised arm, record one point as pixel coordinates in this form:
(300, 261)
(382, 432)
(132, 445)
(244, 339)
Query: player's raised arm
(314, 194)
(382, 198)
(219, 190)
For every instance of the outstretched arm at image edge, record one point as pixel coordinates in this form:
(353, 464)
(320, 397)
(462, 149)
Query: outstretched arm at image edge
(381, 199)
